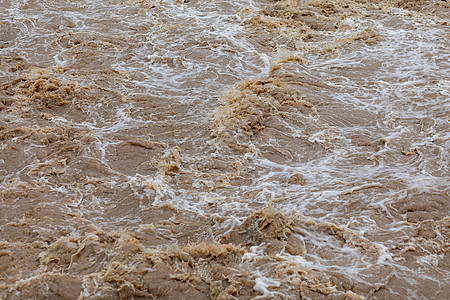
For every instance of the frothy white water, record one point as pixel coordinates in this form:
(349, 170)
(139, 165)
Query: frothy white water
(350, 170)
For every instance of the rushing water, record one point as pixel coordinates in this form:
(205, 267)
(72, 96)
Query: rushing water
(224, 149)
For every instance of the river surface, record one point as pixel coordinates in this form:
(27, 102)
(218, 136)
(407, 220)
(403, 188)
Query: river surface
(211, 149)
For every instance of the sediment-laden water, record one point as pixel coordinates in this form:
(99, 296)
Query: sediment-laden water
(218, 149)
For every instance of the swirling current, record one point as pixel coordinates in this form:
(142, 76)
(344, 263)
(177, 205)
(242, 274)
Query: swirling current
(211, 149)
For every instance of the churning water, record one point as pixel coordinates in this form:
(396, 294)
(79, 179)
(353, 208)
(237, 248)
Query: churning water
(218, 149)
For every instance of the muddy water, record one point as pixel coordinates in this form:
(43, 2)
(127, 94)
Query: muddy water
(224, 149)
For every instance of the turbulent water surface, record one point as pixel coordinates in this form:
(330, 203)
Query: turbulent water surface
(212, 149)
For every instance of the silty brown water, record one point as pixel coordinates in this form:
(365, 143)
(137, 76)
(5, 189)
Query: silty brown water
(224, 150)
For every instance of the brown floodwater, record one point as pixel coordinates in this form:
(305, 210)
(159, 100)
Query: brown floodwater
(211, 149)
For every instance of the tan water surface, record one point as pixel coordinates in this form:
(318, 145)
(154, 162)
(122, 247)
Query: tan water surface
(211, 149)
